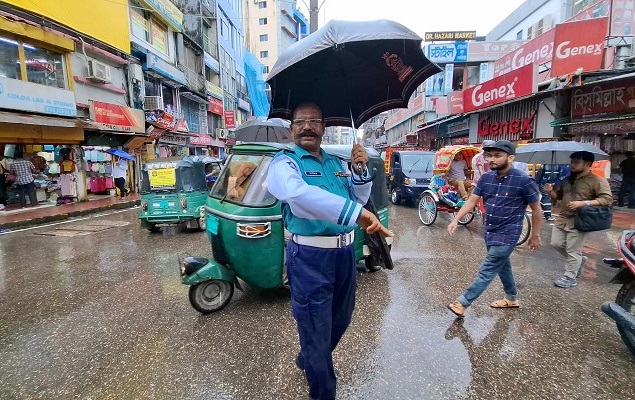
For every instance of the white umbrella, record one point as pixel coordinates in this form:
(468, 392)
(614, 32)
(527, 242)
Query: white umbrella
(555, 152)
(261, 129)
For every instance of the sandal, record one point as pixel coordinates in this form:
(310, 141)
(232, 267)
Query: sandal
(457, 308)
(504, 303)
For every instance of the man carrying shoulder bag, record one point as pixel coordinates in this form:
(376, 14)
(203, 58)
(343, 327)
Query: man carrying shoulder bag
(585, 200)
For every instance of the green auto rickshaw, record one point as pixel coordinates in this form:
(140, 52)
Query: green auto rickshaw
(173, 191)
(245, 228)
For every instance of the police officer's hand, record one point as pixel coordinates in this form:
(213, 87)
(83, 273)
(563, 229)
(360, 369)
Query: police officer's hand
(358, 155)
(369, 222)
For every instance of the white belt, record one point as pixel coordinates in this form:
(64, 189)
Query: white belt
(326, 242)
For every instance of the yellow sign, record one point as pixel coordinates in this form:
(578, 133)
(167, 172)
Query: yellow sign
(167, 11)
(162, 177)
(85, 17)
(214, 90)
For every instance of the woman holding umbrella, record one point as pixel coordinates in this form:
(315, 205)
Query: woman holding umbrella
(119, 173)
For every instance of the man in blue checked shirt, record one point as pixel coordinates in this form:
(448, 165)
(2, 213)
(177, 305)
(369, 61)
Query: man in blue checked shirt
(321, 208)
(506, 193)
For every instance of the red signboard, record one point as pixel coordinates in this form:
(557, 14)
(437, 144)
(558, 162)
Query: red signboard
(455, 102)
(579, 45)
(523, 127)
(230, 119)
(513, 85)
(161, 119)
(591, 101)
(113, 117)
(215, 106)
(537, 51)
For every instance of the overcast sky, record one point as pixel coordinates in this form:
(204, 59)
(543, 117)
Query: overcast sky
(420, 15)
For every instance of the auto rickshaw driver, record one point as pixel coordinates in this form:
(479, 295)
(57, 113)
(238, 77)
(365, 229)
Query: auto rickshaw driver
(239, 181)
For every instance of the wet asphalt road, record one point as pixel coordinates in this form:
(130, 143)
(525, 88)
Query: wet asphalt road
(104, 316)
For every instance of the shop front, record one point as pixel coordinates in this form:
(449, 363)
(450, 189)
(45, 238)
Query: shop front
(454, 131)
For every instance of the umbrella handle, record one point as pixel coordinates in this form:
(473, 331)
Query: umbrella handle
(365, 177)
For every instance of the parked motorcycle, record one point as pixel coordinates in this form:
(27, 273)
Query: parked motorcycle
(623, 310)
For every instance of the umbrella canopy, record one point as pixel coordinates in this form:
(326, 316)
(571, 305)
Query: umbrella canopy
(555, 152)
(120, 153)
(261, 129)
(352, 70)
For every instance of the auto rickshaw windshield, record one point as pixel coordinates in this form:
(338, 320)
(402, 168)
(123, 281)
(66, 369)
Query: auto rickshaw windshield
(243, 180)
(173, 176)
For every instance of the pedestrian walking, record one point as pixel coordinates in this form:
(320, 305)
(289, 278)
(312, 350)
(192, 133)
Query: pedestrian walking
(582, 188)
(546, 174)
(506, 193)
(480, 162)
(119, 173)
(628, 181)
(320, 208)
(23, 171)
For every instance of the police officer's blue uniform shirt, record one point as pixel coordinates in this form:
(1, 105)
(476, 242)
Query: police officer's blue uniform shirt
(322, 201)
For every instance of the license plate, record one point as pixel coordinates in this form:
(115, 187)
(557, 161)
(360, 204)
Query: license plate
(164, 204)
(212, 224)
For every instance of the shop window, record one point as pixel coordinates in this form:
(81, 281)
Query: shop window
(159, 36)
(140, 24)
(44, 66)
(264, 38)
(9, 58)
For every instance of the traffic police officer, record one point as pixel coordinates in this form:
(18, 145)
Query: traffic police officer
(321, 208)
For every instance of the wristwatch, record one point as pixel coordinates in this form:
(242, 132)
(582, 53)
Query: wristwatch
(587, 202)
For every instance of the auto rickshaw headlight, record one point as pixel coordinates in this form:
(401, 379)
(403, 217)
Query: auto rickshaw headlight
(144, 205)
(253, 231)
(406, 181)
(183, 202)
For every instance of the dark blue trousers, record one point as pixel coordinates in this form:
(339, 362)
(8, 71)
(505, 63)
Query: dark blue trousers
(322, 283)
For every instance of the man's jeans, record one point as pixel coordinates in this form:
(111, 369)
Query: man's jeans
(624, 188)
(496, 263)
(27, 189)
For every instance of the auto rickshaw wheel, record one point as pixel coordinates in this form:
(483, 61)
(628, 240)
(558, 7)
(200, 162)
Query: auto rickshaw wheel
(372, 265)
(395, 198)
(210, 296)
(154, 228)
(467, 218)
(427, 209)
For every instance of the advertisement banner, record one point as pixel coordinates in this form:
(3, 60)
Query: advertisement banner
(435, 86)
(215, 105)
(201, 140)
(618, 126)
(459, 128)
(441, 105)
(230, 119)
(455, 102)
(161, 119)
(537, 51)
(591, 101)
(491, 51)
(518, 83)
(579, 45)
(449, 78)
(448, 52)
(483, 72)
(162, 178)
(214, 90)
(27, 96)
(178, 140)
(450, 35)
(167, 11)
(113, 117)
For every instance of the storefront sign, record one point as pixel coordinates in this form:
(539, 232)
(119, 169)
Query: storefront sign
(491, 51)
(167, 11)
(182, 126)
(244, 105)
(483, 73)
(435, 85)
(619, 126)
(579, 45)
(211, 62)
(155, 63)
(459, 128)
(448, 53)
(214, 90)
(174, 139)
(537, 51)
(513, 85)
(461, 140)
(455, 102)
(201, 140)
(452, 35)
(113, 117)
(230, 119)
(603, 98)
(441, 105)
(215, 106)
(523, 127)
(162, 178)
(411, 138)
(27, 96)
(161, 119)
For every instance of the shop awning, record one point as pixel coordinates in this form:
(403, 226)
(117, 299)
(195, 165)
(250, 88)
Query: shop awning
(31, 119)
(611, 125)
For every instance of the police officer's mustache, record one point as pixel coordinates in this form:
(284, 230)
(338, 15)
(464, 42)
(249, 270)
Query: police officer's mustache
(306, 134)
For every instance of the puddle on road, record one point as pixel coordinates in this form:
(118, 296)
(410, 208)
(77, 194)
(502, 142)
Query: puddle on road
(83, 229)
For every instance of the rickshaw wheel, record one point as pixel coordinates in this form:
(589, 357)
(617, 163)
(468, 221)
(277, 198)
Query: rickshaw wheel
(210, 296)
(469, 217)
(427, 209)
(526, 231)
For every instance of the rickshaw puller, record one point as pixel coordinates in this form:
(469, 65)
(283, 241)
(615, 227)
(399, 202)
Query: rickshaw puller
(321, 209)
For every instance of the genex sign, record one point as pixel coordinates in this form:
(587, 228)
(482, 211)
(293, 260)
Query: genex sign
(510, 86)
(520, 127)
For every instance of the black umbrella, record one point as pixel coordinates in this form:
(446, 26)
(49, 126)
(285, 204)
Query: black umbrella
(352, 70)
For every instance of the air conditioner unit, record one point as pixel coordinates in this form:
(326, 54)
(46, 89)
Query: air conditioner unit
(99, 72)
(221, 133)
(152, 103)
